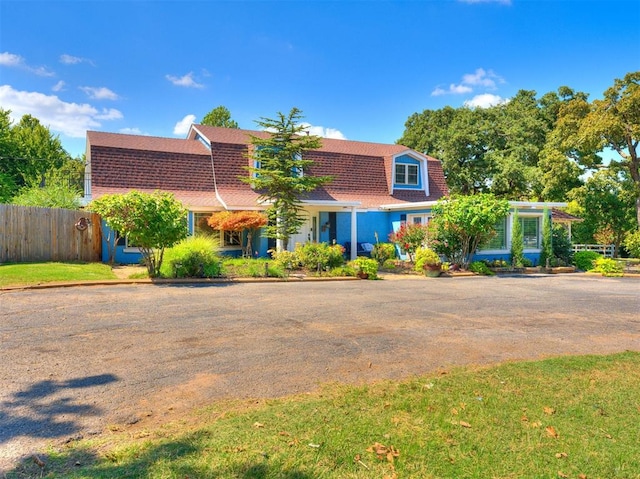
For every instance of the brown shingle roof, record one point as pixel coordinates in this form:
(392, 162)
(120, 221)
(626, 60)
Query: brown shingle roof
(361, 171)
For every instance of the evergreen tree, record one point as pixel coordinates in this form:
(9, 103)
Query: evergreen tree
(517, 242)
(281, 173)
(546, 254)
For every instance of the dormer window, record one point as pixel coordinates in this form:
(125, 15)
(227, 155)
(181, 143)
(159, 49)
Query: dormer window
(406, 174)
(409, 173)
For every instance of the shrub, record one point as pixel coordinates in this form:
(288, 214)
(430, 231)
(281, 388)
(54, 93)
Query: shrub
(526, 263)
(253, 268)
(193, 257)
(632, 244)
(287, 260)
(517, 243)
(561, 244)
(607, 267)
(382, 252)
(480, 267)
(424, 257)
(365, 265)
(584, 260)
(389, 264)
(319, 256)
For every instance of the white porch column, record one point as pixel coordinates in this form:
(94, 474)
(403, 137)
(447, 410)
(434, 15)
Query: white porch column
(354, 233)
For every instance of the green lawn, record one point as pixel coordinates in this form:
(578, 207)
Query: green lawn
(575, 417)
(35, 273)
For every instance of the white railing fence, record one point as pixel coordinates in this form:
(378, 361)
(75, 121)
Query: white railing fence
(606, 250)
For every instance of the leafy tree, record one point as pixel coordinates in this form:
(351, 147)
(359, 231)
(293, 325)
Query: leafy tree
(281, 173)
(28, 151)
(517, 242)
(614, 122)
(219, 116)
(562, 244)
(606, 203)
(468, 221)
(249, 221)
(152, 222)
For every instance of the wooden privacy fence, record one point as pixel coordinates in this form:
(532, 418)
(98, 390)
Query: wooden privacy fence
(48, 234)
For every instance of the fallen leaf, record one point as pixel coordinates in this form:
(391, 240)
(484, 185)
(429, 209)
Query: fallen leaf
(258, 425)
(284, 433)
(454, 411)
(561, 455)
(524, 418)
(551, 431)
(562, 474)
(465, 424)
(549, 411)
(463, 406)
(582, 476)
(38, 461)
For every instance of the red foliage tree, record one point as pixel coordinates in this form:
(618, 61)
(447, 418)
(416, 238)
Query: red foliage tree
(241, 221)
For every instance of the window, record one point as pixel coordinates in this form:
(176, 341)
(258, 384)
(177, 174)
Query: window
(406, 174)
(227, 239)
(499, 241)
(530, 232)
(419, 219)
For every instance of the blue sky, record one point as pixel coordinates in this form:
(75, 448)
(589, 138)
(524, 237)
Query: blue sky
(357, 69)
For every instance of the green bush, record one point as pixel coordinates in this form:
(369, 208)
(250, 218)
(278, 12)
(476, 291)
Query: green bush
(426, 256)
(389, 264)
(365, 265)
(193, 257)
(584, 260)
(562, 244)
(479, 267)
(382, 252)
(607, 267)
(252, 268)
(632, 244)
(319, 256)
(287, 260)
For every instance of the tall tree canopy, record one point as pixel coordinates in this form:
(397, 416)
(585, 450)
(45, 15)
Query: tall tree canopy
(614, 122)
(281, 173)
(219, 116)
(28, 153)
(500, 149)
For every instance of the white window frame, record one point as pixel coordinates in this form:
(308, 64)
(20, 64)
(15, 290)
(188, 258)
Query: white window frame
(406, 175)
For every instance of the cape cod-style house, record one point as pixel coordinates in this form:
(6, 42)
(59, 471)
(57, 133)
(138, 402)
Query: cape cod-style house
(375, 187)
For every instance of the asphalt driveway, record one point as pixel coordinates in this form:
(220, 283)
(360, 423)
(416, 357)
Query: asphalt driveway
(75, 360)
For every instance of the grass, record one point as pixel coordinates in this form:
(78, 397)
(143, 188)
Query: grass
(251, 268)
(574, 417)
(15, 274)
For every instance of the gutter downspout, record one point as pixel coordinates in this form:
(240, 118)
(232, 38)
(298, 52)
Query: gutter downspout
(215, 184)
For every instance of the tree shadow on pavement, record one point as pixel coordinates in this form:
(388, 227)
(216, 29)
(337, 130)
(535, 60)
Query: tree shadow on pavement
(48, 409)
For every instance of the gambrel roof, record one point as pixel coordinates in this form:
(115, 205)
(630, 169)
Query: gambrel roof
(204, 170)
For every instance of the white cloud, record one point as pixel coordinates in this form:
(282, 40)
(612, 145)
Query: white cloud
(12, 60)
(453, 89)
(132, 131)
(484, 101)
(99, 93)
(480, 78)
(186, 81)
(58, 86)
(70, 119)
(324, 132)
(70, 59)
(182, 127)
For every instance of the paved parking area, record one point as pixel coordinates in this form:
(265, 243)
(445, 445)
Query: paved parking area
(74, 360)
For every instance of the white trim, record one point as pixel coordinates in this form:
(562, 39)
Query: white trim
(512, 204)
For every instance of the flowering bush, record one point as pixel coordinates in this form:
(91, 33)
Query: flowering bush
(410, 237)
